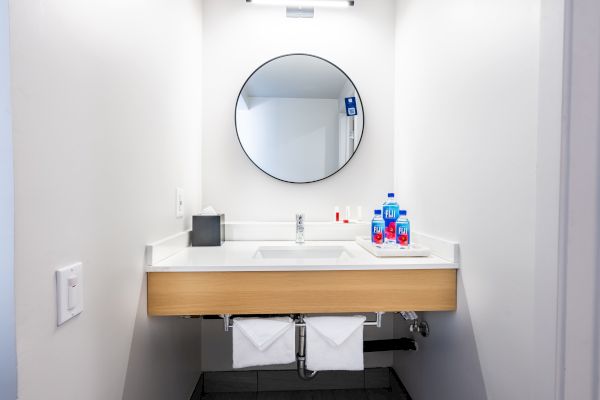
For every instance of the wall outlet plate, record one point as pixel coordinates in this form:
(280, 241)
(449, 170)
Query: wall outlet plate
(69, 292)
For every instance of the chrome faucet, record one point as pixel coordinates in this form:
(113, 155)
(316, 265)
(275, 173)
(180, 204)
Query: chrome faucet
(299, 228)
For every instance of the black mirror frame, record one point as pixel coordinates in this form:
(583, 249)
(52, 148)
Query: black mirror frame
(339, 69)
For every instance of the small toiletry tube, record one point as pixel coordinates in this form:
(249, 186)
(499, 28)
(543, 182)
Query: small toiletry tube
(336, 214)
(358, 213)
(208, 230)
(347, 215)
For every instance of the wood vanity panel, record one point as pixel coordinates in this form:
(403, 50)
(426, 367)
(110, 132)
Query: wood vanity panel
(211, 293)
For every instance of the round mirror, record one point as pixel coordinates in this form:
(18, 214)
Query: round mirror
(299, 118)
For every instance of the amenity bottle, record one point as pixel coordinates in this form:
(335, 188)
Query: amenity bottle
(390, 215)
(377, 228)
(403, 229)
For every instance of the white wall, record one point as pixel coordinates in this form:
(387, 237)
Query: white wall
(548, 198)
(466, 141)
(107, 121)
(239, 38)
(8, 362)
(276, 133)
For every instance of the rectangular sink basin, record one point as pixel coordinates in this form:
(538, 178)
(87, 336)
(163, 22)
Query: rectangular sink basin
(301, 252)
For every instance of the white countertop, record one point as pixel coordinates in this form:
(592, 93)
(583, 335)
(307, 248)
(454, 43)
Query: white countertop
(235, 256)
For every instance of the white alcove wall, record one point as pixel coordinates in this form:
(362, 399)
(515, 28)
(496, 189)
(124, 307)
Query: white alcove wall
(473, 165)
(106, 98)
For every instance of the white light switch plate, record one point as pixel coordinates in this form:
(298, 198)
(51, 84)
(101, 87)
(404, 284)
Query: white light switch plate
(69, 292)
(179, 203)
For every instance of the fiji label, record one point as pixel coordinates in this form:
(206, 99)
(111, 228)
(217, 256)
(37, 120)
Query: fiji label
(390, 215)
(403, 238)
(377, 234)
(390, 230)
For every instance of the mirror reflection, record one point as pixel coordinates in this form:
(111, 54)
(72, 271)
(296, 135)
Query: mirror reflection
(299, 118)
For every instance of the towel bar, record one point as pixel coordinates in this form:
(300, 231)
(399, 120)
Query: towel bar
(228, 321)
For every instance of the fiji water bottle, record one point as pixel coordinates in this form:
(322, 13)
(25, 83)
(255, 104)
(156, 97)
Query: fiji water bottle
(377, 228)
(403, 229)
(390, 215)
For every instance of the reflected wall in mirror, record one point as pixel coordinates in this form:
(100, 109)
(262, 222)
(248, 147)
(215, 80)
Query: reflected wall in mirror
(299, 118)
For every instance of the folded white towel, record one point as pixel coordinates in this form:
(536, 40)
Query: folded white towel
(263, 341)
(334, 343)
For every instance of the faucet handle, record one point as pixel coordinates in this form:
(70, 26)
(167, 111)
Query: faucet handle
(300, 228)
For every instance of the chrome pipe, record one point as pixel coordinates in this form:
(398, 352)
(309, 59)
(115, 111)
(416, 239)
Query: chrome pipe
(303, 373)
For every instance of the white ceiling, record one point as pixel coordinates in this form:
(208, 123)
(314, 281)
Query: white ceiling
(297, 76)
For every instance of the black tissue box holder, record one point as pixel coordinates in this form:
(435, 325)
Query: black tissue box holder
(208, 230)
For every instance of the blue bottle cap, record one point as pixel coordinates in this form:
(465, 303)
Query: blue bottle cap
(377, 212)
(402, 212)
(390, 194)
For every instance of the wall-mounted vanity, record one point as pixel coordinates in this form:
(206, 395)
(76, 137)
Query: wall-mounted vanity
(281, 277)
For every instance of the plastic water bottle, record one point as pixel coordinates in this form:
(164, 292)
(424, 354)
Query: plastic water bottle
(390, 215)
(403, 229)
(377, 228)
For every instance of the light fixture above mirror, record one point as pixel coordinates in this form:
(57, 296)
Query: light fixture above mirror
(303, 8)
(304, 3)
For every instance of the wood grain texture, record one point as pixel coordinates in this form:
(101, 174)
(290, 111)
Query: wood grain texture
(211, 293)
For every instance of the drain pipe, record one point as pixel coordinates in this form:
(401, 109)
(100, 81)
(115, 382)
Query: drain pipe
(303, 373)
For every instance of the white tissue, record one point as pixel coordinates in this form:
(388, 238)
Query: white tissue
(208, 211)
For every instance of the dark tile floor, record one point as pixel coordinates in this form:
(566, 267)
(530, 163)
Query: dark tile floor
(370, 384)
(369, 394)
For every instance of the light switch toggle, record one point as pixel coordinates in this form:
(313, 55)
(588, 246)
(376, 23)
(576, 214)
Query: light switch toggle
(72, 283)
(69, 292)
